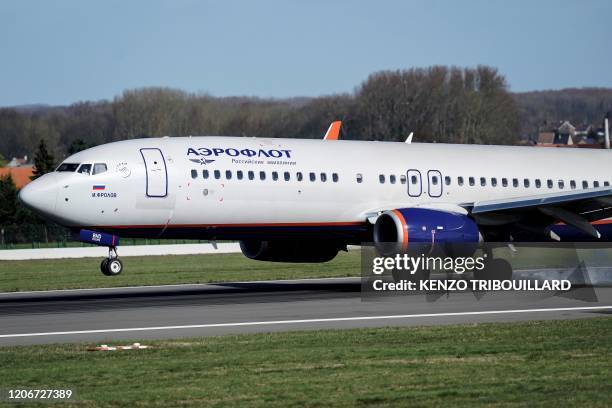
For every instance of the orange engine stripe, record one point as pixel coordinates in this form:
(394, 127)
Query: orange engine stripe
(404, 229)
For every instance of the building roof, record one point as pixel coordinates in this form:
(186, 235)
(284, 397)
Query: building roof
(18, 162)
(21, 175)
(546, 137)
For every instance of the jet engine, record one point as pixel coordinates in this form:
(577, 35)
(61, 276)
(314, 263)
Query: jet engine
(301, 251)
(425, 231)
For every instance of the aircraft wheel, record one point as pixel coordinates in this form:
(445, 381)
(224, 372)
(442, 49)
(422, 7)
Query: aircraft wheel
(103, 266)
(113, 267)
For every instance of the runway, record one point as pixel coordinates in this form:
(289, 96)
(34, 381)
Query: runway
(105, 315)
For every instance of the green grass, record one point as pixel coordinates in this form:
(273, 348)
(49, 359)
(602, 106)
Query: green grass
(552, 363)
(162, 270)
(173, 269)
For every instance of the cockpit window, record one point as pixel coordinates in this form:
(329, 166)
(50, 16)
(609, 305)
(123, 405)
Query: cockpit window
(85, 169)
(99, 168)
(67, 167)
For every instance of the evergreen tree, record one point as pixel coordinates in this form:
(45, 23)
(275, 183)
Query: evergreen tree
(43, 160)
(78, 145)
(8, 200)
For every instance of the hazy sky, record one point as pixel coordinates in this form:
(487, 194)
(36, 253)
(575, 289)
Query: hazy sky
(60, 51)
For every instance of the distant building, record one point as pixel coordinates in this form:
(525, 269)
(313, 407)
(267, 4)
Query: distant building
(21, 175)
(17, 162)
(568, 135)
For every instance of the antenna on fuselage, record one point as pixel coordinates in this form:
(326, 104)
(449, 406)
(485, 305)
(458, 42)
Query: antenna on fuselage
(409, 138)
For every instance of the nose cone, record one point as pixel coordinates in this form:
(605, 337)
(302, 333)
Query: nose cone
(40, 195)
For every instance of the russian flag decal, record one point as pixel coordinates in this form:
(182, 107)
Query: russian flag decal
(99, 187)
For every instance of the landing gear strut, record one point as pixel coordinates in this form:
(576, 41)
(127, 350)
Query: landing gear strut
(111, 266)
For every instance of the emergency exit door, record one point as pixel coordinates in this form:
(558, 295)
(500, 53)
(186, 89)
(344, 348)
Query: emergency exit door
(415, 186)
(156, 172)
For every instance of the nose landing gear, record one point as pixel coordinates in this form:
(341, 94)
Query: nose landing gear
(111, 266)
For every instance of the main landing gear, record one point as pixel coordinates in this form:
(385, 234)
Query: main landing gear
(111, 266)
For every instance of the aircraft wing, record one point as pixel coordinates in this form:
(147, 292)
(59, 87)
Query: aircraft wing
(578, 208)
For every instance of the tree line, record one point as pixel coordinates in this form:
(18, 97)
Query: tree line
(542, 110)
(444, 104)
(438, 104)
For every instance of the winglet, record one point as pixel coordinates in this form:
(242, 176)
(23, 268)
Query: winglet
(334, 131)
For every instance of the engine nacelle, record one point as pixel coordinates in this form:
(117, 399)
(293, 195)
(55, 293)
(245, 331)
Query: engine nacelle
(299, 251)
(425, 231)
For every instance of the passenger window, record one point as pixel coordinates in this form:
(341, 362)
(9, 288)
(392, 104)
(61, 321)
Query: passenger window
(606, 183)
(538, 183)
(239, 175)
(483, 181)
(274, 175)
(549, 183)
(217, 174)
(251, 174)
(299, 176)
(194, 174)
(573, 184)
(585, 184)
(323, 177)
(228, 174)
(471, 181)
(392, 179)
(359, 177)
(504, 182)
(595, 183)
(402, 179)
(561, 184)
(205, 174)
(493, 182)
(313, 177)
(526, 183)
(262, 175)
(99, 168)
(84, 169)
(460, 181)
(515, 182)
(287, 176)
(381, 178)
(335, 177)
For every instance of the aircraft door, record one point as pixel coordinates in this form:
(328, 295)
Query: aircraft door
(156, 172)
(415, 187)
(434, 182)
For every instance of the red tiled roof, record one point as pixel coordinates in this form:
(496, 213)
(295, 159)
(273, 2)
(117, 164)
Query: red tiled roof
(21, 175)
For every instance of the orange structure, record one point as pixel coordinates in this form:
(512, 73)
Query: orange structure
(21, 175)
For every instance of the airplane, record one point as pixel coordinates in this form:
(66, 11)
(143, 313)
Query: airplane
(304, 200)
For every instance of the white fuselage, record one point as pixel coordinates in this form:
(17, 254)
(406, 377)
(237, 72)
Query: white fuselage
(132, 194)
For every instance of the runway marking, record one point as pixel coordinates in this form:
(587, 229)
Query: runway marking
(320, 320)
